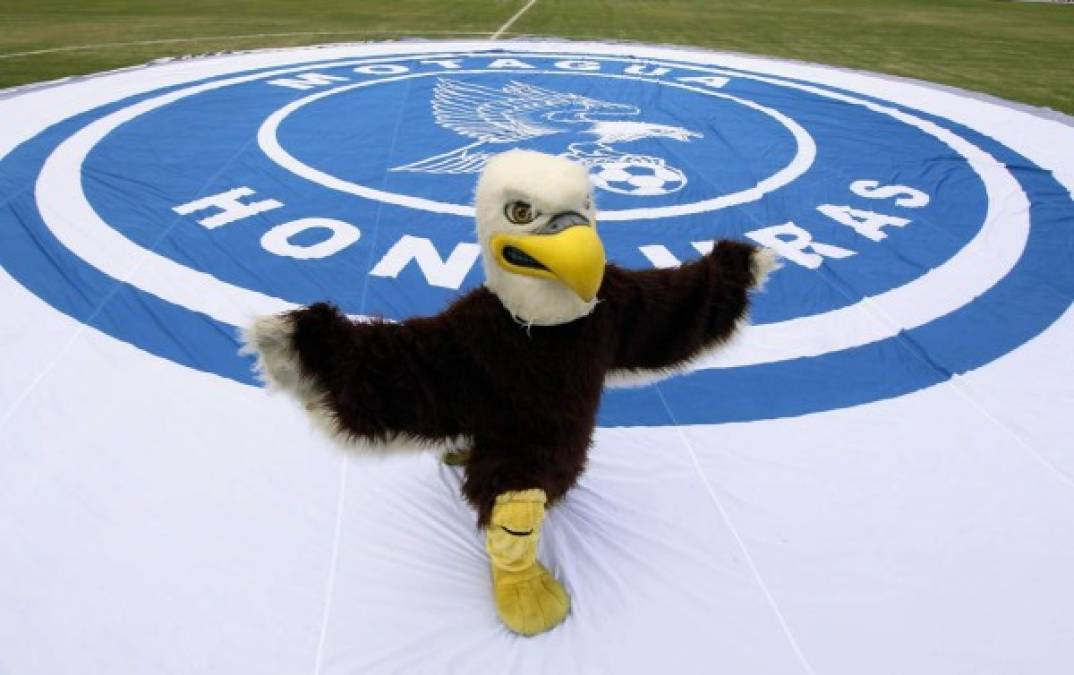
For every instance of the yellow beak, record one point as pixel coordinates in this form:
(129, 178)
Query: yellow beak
(574, 257)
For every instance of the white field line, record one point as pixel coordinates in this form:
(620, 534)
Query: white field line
(333, 564)
(746, 555)
(514, 18)
(251, 36)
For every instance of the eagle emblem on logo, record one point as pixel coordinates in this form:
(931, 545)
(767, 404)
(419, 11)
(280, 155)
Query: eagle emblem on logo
(498, 119)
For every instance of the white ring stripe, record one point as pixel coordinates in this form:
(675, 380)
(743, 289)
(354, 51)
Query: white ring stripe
(805, 154)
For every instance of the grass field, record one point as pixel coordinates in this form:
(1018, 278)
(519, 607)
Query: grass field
(1019, 51)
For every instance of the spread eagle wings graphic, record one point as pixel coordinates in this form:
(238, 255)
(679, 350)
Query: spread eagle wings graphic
(515, 113)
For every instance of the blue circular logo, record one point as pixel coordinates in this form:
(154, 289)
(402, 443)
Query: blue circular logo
(170, 206)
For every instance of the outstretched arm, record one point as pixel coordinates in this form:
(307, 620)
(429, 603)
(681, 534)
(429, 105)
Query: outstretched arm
(667, 317)
(378, 382)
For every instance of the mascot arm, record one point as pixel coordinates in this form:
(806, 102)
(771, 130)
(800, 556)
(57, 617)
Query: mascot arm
(376, 382)
(667, 317)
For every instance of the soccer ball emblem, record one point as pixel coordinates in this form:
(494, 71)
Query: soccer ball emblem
(637, 177)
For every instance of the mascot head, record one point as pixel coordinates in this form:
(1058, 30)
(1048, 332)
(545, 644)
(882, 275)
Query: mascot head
(537, 229)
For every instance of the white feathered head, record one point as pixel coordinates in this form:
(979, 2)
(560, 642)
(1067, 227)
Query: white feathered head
(536, 224)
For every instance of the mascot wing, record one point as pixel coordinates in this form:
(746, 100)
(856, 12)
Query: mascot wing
(374, 383)
(667, 318)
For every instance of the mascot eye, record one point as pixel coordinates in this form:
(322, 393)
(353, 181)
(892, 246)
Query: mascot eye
(520, 213)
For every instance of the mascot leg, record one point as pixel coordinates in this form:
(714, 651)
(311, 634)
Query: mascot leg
(529, 600)
(455, 457)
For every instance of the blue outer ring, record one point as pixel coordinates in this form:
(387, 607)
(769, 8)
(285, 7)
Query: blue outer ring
(1034, 294)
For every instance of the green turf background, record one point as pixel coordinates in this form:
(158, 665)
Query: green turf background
(1019, 51)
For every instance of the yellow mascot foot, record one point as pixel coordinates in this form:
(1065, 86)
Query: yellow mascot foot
(529, 600)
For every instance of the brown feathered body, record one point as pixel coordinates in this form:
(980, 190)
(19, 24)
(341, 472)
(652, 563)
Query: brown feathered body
(523, 398)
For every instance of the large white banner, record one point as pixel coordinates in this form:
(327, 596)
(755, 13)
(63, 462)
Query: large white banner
(877, 477)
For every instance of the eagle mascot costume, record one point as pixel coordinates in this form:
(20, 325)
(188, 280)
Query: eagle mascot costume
(512, 372)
